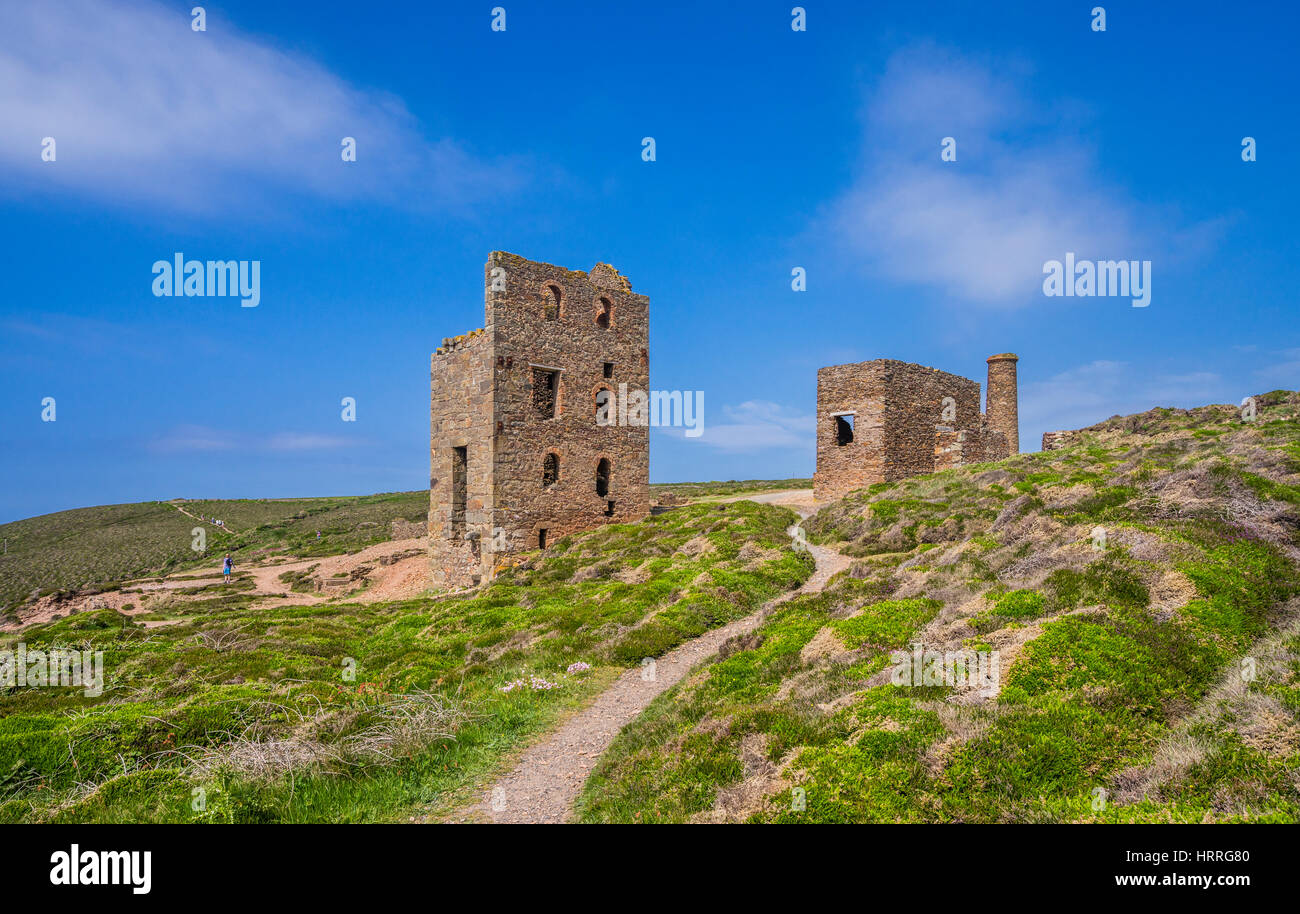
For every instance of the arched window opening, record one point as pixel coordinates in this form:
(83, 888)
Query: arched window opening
(605, 407)
(604, 312)
(551, 302)
(602, 477)
(550, 470)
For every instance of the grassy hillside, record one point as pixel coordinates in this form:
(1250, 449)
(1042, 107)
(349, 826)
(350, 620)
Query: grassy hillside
(1140, 592)
(1139, 589)
(233, 714)
(690, 490)
(98, 546)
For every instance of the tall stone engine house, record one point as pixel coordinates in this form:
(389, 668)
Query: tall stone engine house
(517, 457)
(884, 420)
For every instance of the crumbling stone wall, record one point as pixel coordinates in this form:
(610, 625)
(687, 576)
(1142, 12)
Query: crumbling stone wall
(908, 420)
(554, 338)
(857, 391)
(1053, 441)
(916, 411)
(993, 444)
(402, 529)
(954, 448)
(460, 458)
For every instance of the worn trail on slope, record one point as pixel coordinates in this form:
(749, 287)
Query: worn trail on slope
(203, 520)
(550, 775)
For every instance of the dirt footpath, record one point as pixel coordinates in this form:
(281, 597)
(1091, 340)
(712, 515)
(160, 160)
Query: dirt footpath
(549, 776)
(395, 570)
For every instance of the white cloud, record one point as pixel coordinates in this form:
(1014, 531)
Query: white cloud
(292, 441)
(200, 438)
(144, 109)
(1023, 190)
(191, 438)
(756, 425)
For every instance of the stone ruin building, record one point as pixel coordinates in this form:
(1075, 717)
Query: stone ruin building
(1054, 441)
(884, 420)
(517, 458)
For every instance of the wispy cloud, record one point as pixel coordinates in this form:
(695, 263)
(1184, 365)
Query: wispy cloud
(291, 441)
(143, 109)
(756, 425)
(192, 439)
(36, 335)
(199, 439)
(1023, 190)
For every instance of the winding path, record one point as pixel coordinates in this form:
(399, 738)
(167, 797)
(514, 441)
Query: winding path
(549, 775)
(203, 520)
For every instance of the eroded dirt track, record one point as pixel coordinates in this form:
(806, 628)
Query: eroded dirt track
(549, 776)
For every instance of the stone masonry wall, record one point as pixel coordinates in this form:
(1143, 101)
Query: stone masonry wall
(1053, 441)
(914, 411)
(905, 424)
(1003, 406)
(460, 417)
(402, 529)
(951, 449)
(857, 389)
(553, 338)
(993, 444)
(599, 320)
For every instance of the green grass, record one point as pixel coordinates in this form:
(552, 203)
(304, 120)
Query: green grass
(1110, 664)
(228, 672)
(693, 490)
(89, 547)
(1114, 660)
(885, 624)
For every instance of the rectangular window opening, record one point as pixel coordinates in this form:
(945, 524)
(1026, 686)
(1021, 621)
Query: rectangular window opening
(546, 386)
(541, 538)
(608, 370)
(459, 490)
(843, 429)
(609, 509)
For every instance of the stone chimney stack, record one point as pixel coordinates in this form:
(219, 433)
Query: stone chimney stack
(1001, 409)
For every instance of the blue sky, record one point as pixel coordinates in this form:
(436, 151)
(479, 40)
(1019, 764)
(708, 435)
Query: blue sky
(775, 149)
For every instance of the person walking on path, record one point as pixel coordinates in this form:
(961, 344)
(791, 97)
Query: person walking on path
(226, 567)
